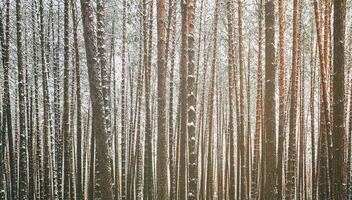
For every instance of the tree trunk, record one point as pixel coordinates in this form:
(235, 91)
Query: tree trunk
(292, 148)
(96, 97)
(191, 104)
(79, 191)
(231, 69)
(148, 157)
(338, 103)
(123, 106)
(269, 103)
(7, 105)
(210, 111)
(182, 134)
(22, 186)
(282, 93)
(162, 144)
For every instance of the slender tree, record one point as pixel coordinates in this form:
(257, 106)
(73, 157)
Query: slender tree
(292, 148)
(231, 68)
(259, 110)
(148, 162)
(79, 188)
(191, 104)
(66, 107)
(22, 187)
(269, 103)
(210, 111)
(182, 133)
(7, 104)
(98, 128)
(338, 96)
(123, 105)
(282, 89)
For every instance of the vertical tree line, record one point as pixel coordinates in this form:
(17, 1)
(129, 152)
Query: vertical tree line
(167, 99)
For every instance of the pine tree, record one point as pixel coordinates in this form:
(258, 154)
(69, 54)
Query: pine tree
(269, 103)
(148, 167)
(231, 68)
(292, 148)
(57, 114)
(123, 106)
(7, 104)
(162, 145)
(241, 137)
(182, 133)
(282, 91)
(255, 187)
(22, 187)
(210, 111)
(79, 192)
(191, 104)
(98, 128)
(338, 96)
(2, 117)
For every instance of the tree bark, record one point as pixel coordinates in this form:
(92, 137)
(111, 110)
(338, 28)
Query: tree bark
(338, 99)
(96, 98)
(269, 103)
(162, 144)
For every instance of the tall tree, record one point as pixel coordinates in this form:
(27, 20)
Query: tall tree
(79, 188)
(338, 96)
(269, 103)
(162, 144)
(210, 111)
(259, 111)
(7, 115)
(66, 113)
(241, 138)
(231, 68)
(98, 128)
(282, 91)
(191, 104)
(292, 148)
(46, 192)
(148, 158)
(22, 187)
(2, 126)
(182, 133)
(123, 104)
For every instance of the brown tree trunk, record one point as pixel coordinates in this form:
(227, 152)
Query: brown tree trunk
(96, 98)
(292, 148)
(231, 68)
(269, 103)
(162, 144)
(210, 111)
(282, 93)
(339, 96)
(191, 104)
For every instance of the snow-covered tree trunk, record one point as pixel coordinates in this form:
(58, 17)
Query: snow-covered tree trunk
(182, 134)
(22, 186)
(162, 144)
(7, 105)
(191, 104)
(2, 115)
(96, 97)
